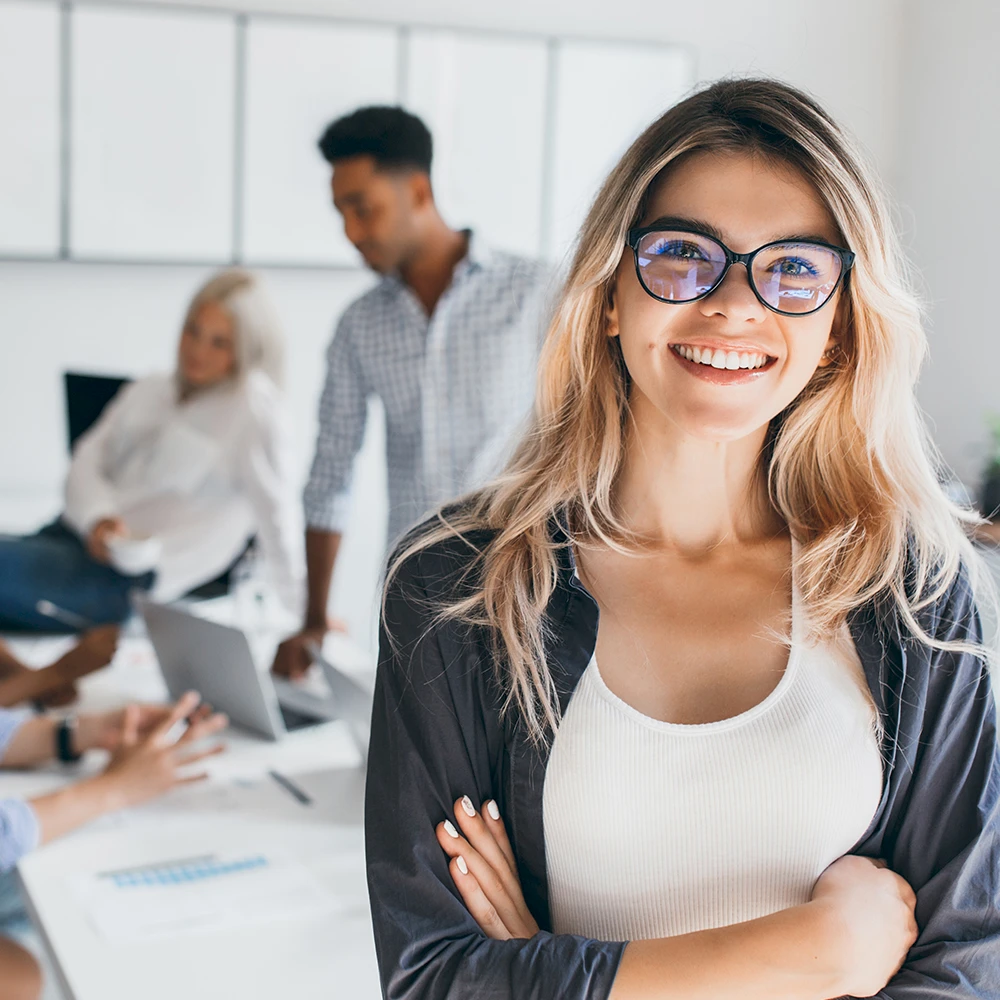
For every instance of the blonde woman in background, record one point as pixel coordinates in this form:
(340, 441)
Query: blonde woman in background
(692, 701)
(180, 468)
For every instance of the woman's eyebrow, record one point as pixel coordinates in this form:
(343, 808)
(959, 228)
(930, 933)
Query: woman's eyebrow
(680, 222)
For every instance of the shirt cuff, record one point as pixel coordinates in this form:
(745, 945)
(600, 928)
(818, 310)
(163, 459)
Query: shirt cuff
(82, 519)
(19, 832)
(325, 514)
(11, 720)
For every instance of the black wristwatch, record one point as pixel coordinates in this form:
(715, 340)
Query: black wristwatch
(65, 741)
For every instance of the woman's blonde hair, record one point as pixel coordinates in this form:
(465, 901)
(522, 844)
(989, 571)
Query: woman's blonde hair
(848, 464)
(260, 342)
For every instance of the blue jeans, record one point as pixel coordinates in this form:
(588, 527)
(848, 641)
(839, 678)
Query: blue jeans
(53, 565)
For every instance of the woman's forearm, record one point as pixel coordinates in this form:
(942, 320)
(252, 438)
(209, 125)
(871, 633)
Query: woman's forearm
(33, 743)
(789, 955)
(61, 812)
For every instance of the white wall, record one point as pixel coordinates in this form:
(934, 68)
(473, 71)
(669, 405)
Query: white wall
(54, 316)
(847, 54)
(948, 156)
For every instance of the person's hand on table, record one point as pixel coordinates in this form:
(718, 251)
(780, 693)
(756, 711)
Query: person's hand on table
(485, 872)
(145, 761)
(95, 650)
(106, 730)
(101, 533)
(55, 684)
(294, 656)
(60, 697)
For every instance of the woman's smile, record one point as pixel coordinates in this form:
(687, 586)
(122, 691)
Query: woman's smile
(723, 364)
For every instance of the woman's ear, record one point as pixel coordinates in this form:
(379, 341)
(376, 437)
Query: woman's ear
(611, 314)
(829, 354)
(835, 340)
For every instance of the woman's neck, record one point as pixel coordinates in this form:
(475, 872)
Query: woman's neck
(692, 494)
(186, 391)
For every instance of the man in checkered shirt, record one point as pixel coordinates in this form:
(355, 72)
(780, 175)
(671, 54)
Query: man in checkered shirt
(448, 340)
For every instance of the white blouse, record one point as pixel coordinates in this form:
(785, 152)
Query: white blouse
(654, 829)
(202, 474)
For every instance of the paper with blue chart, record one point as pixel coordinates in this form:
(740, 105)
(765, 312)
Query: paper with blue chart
(207, 894)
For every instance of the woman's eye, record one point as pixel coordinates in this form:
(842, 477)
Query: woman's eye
(794, 267)
(681, 249)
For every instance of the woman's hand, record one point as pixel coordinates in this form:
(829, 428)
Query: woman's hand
(106, 730)
(97, 541)
(484, 870)
(141, 767)
(872, 919)
(144, 766)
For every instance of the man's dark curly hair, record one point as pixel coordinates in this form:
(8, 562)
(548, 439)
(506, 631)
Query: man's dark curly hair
(394, 137)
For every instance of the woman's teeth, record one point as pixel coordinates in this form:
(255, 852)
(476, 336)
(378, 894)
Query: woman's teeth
(721, 359)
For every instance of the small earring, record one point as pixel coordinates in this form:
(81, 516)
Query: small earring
(831, 354)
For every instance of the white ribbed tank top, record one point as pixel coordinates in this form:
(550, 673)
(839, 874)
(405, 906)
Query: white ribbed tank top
(654, 829)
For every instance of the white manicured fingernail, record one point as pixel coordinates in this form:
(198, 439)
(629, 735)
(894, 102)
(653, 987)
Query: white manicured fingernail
(462, 866)
(449, 828)
(493, 809)
(470, 809)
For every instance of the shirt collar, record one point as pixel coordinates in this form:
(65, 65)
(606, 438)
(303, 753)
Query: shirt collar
(479, 252)
(478, 255)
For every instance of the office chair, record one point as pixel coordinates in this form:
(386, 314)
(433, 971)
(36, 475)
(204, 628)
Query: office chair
(86, 397)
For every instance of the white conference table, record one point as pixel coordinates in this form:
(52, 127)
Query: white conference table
(239, 810)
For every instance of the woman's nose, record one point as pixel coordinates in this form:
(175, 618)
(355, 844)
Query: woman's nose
(735, 298)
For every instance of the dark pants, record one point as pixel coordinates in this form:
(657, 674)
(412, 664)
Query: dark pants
(53, 565)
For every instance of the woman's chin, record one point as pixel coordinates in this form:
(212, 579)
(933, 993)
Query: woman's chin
(199, 380)
(712, 425)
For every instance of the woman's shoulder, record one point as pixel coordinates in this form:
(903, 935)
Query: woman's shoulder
(442, 555)
(146, 391)
(949, 609)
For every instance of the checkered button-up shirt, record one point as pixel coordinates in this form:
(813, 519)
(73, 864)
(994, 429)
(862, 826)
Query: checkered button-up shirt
(456, 386)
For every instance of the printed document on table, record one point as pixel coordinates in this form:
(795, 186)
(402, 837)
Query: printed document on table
(199, 895)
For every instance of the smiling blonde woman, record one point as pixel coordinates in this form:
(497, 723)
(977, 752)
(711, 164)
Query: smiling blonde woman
(692, 701)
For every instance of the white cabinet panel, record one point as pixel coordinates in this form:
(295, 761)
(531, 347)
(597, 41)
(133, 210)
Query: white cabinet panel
(301, 76)
(153, 134)
(29, 125)
(606, 93)
(484, 101)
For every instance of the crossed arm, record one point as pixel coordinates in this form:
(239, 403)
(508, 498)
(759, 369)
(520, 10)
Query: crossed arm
(849, 939)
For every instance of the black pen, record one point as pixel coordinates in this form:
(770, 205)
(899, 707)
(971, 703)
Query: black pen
(291, 788)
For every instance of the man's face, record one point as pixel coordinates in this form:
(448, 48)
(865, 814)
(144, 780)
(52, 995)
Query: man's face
(380, 208)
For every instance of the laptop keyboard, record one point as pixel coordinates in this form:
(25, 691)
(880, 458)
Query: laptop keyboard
(296, 720)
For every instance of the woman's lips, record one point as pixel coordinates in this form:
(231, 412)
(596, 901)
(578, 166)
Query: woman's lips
(721, 375)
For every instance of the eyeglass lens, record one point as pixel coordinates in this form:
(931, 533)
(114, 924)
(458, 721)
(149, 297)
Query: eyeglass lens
(791, 277)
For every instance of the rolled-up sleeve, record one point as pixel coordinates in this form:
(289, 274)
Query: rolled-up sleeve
(435, 736)
(19, 831)
(947, 845)
(343, 409)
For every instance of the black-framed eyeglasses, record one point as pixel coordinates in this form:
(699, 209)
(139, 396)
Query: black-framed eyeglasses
(791, 277)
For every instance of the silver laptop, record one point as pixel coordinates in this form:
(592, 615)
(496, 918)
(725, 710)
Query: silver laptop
(216, 660)
(351, 698)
